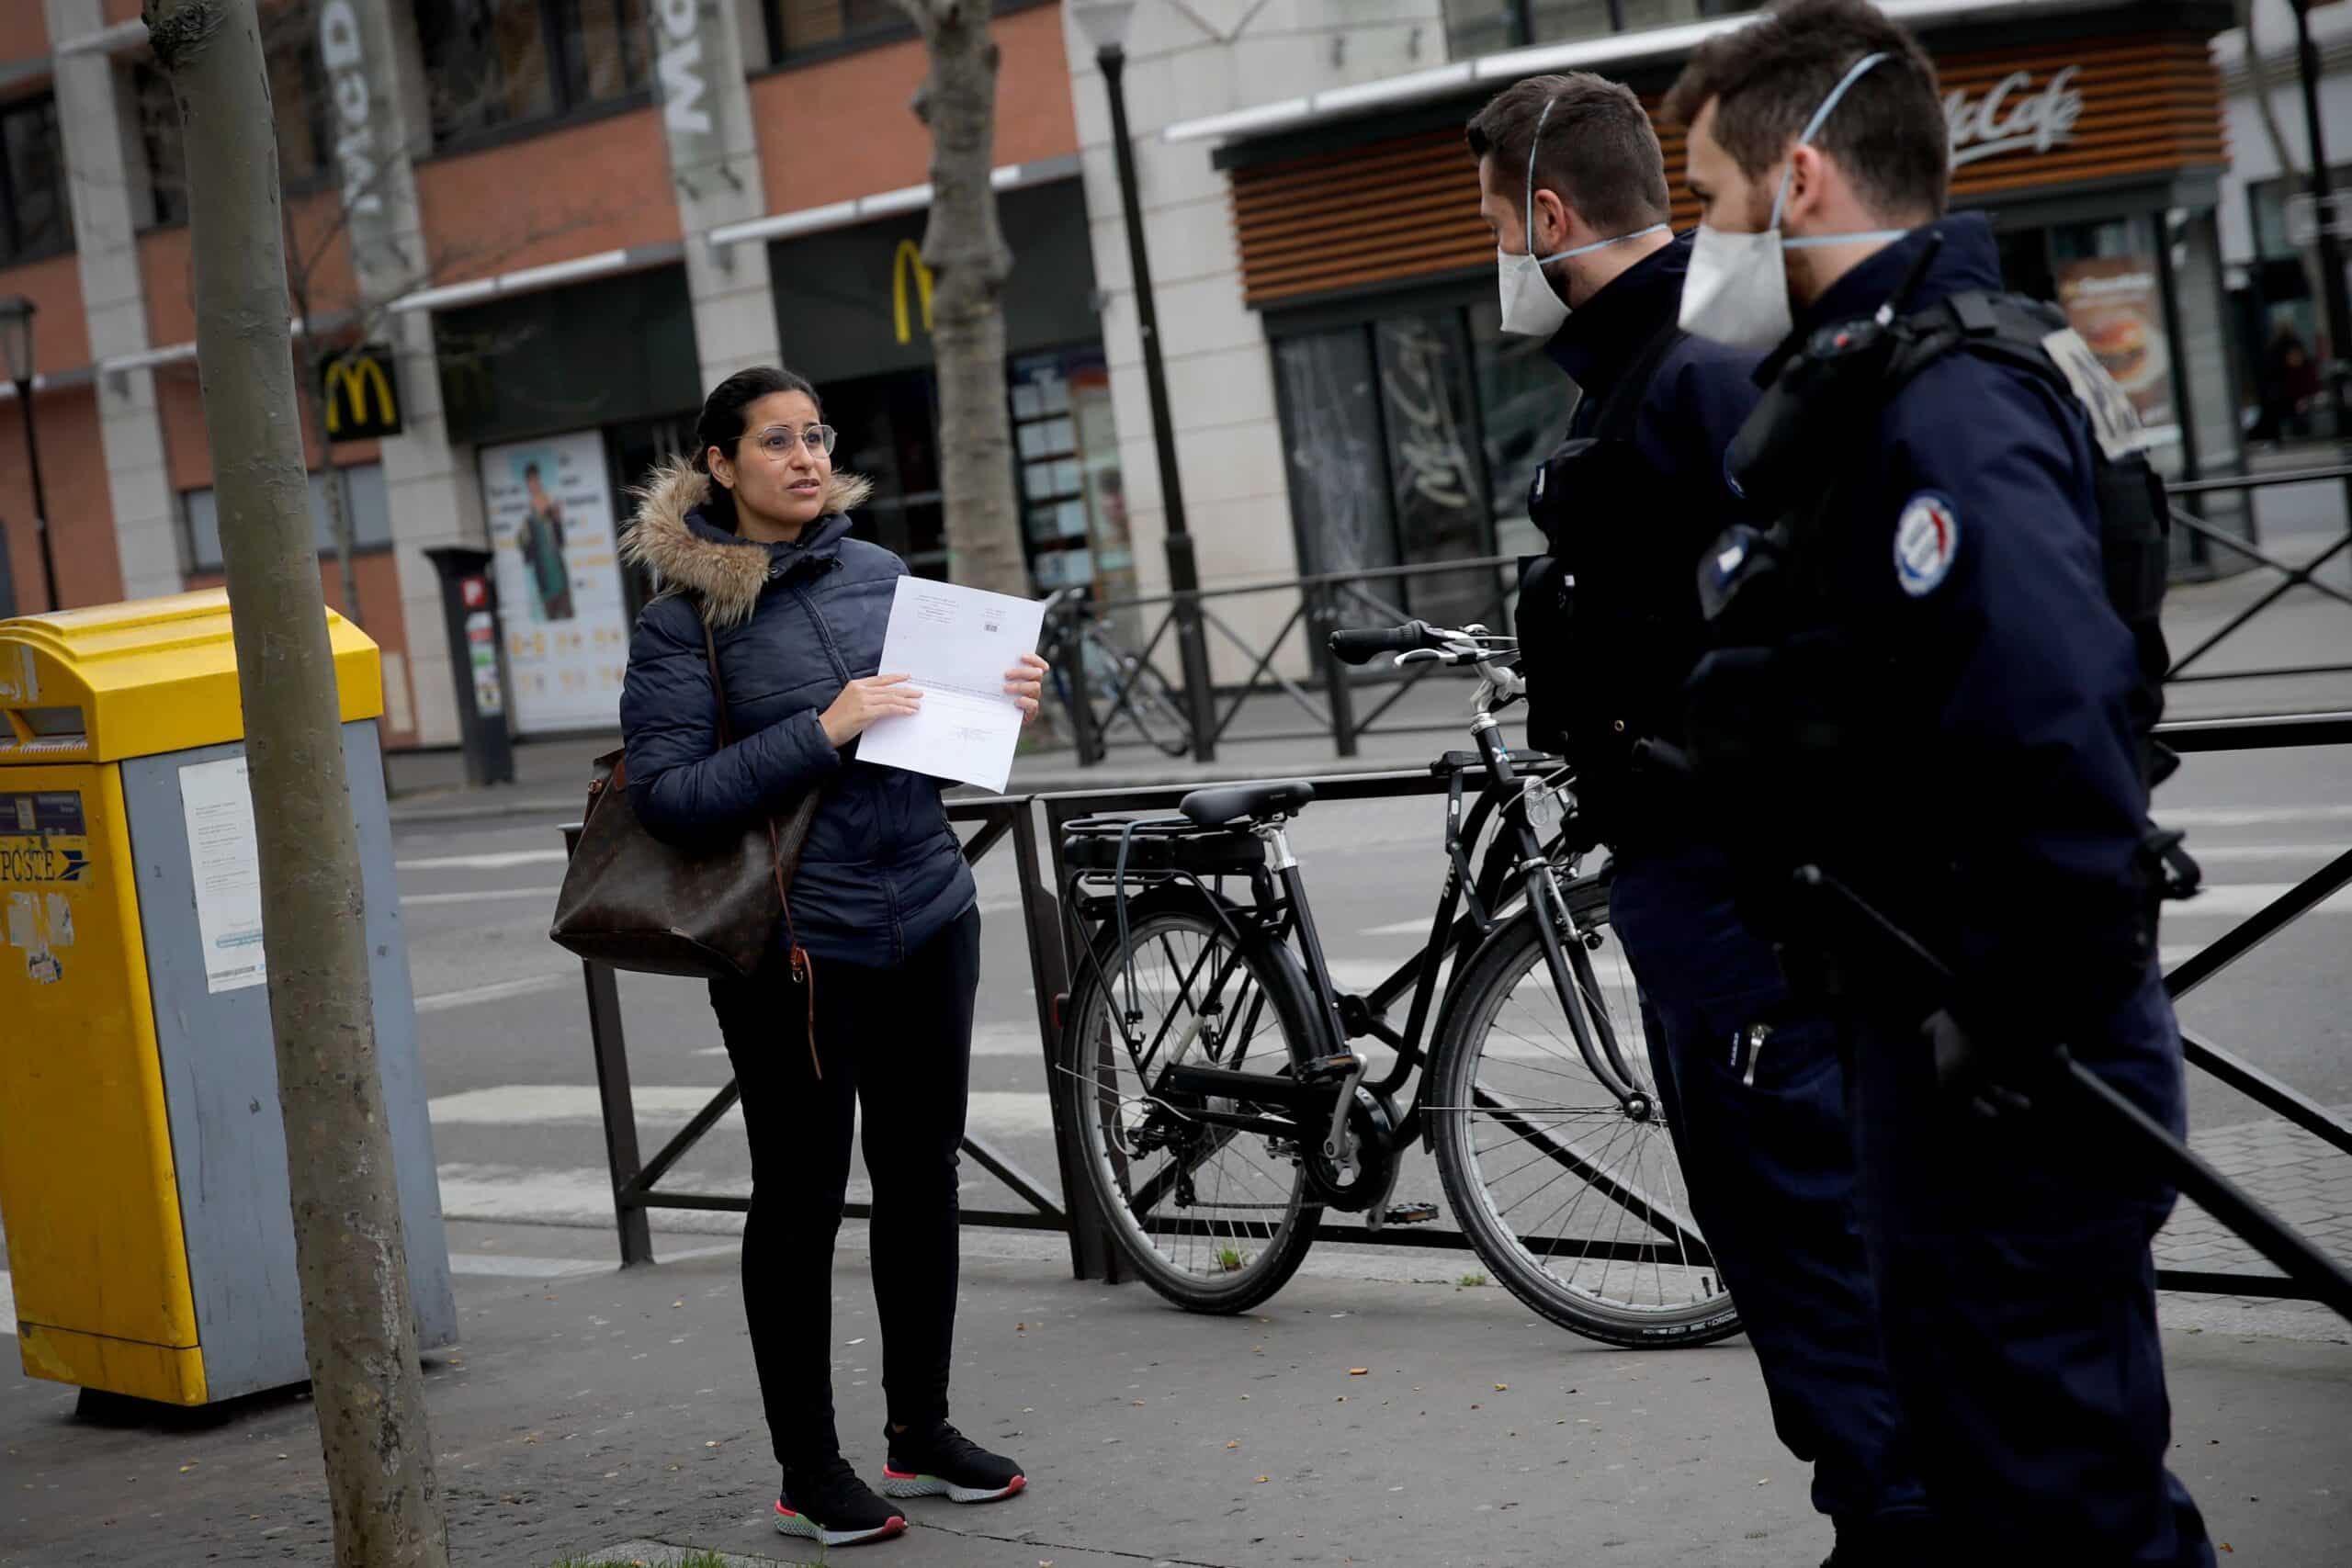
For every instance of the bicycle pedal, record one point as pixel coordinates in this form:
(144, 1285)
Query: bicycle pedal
(1329, 1070)
(1410, 1214)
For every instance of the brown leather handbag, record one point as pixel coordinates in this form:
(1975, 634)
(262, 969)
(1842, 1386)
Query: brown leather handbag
(634, 902)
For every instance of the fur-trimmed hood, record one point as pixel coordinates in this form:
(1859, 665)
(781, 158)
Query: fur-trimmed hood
(685, 554)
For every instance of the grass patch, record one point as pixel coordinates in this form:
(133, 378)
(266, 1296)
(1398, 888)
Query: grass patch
(1231, 1262)
(1470, 1281)
(697, 1559)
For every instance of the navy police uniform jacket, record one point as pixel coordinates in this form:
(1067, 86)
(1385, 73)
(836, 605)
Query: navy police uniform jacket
(1995, 753)
(1656, 512)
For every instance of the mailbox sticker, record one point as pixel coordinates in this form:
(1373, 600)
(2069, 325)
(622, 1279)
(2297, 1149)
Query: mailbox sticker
(225, 864)
(44, 838)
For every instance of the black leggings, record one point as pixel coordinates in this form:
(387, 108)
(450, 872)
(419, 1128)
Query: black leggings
(900, 1041)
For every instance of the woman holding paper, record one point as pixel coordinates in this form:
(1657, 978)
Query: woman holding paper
(752, 538)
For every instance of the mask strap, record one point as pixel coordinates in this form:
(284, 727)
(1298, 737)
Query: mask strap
(1528, 232)
(1604, 244)
(1812, 128)
(1534, 144)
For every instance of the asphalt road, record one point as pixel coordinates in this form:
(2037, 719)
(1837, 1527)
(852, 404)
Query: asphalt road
(504, 1022)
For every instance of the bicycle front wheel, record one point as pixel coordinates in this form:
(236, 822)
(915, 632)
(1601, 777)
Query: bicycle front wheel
(1215, 1219)
(1578, 1205)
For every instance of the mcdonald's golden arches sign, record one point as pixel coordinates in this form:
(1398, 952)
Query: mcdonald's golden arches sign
(362, 393)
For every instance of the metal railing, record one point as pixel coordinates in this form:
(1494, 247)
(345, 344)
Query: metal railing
(636, 1180)
(1330, 600)
(2303, 576)
(1053, 938)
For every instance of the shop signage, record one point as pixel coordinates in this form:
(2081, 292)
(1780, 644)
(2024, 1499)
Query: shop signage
(2008, 117)
(355, 139)
(361, 394)
(860, 299)
(909, 257)
(679, 63)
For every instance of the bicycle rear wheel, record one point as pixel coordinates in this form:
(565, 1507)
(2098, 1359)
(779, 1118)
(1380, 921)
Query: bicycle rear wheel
(1579, 1207)
(1214, 1219)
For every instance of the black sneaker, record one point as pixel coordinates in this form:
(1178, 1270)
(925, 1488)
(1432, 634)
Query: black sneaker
(828, 1504)
(1909, 1540)
(944, 1462)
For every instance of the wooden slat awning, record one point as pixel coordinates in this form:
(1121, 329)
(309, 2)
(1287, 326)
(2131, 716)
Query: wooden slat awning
(1403, 209)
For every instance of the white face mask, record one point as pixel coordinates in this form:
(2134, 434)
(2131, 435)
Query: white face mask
(1530, 308)
(1737, 290)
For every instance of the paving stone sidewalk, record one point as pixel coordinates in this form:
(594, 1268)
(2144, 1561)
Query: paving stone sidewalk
(2299, 1178)
(618, 1409)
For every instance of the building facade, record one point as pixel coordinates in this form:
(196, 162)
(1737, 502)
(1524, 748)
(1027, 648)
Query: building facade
(2091, 135)
(2269, 240)
(552, 225)
(540, 229)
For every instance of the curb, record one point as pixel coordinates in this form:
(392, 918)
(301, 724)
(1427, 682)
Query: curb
(466, 807)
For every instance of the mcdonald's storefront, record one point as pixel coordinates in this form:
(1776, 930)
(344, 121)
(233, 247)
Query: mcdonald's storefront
(2091, 135)
(854, 313)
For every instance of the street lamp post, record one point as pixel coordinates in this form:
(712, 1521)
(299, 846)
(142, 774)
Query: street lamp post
(2333, 294)
(1105, 23)
(17, 347)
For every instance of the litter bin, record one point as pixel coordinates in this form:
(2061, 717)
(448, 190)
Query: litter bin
(143, 1161)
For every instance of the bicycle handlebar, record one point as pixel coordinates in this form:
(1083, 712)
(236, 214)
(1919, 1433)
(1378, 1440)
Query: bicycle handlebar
(1364, 644)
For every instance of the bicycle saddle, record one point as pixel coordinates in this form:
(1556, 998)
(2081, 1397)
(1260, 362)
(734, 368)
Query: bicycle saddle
(1230, 803)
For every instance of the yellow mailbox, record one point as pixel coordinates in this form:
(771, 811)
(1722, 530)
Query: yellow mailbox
(142, 1162)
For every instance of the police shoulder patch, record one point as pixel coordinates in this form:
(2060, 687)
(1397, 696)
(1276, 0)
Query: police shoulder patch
(1927, 537)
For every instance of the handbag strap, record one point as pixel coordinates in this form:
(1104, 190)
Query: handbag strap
(803, 973)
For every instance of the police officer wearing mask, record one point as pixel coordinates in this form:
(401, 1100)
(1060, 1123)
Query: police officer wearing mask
(1924, 676)
(1573, 185)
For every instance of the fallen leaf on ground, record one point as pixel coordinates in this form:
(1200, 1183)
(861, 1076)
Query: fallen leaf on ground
(1264, 1479)
(1359, 1372)
(1235, 1444)
(1503, 1388)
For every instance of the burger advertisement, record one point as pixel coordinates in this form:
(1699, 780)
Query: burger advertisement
(2114, 303)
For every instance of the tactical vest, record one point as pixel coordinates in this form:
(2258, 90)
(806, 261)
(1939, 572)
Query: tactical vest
(1850, 370)
(1605, 624)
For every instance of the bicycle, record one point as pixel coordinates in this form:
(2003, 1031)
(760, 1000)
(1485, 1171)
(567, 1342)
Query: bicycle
(1136, 692)
(1209, 1077)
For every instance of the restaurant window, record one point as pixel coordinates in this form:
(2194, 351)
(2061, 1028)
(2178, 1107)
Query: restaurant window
(298, 101)
(1388, 460)
(371, 518)
(34, 218)
(1474, 28)
(496, 63)
(799, 30)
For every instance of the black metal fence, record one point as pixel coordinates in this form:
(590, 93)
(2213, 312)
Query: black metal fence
(1342, 707)
(1053, 940)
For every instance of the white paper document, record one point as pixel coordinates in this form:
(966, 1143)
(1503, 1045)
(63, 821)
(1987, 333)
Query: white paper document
(955, 645)
(226, 867)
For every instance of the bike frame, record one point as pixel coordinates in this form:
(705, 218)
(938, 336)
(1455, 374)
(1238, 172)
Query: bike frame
(1517, 847)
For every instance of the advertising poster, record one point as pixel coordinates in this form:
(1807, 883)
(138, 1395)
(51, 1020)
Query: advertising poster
(2115, 304)
(549, 504)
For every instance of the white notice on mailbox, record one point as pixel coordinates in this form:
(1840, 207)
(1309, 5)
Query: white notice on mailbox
(225, 863)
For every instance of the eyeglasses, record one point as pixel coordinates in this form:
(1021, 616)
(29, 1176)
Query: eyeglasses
(776, 439)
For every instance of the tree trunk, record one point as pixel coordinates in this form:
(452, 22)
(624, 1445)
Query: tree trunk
(964, 247)
(358, 1329)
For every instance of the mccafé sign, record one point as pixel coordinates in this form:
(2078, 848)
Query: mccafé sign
(2013, 115)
